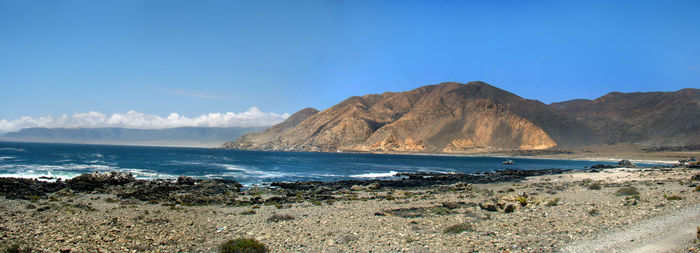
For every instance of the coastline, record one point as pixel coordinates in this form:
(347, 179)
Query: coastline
(544, 213)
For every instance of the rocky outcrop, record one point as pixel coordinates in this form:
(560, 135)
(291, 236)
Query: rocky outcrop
(449, 117)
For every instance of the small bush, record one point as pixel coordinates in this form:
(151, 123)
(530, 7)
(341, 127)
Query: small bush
(554, 202)
(627, 191)
(593, 212)
(522, 201)
(697, 234)
(279, 217)
(440, 210)
(249, 212)
(459, 228)
(242, 245)
(594, 186)
(14, 248)
(673, 197)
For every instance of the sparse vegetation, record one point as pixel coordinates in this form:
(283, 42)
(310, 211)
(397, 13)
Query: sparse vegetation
(440, 210)
(627, 191)
(242, 245)
(249, 212)
(280, 217)
(14, 247)
(522, 201)
(594, 186)
(459, 228)
(554, 202)
(673, 197)
(593, 212)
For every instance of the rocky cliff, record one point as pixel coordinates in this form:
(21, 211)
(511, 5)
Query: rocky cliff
(448, 117)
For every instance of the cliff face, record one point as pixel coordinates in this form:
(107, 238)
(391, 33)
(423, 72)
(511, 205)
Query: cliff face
(648, 118)
(449, 117)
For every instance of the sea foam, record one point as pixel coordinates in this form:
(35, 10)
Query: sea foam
(375, 175)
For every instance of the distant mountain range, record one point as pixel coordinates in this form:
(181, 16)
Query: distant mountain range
(477, 117)
(181, 136)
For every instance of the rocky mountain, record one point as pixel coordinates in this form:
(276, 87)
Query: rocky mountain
(647, 118)
(181, 136)
(448, 117)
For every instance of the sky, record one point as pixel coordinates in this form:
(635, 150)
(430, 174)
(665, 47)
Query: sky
(158, 63)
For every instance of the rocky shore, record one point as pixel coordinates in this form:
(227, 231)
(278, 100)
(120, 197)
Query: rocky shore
(510, 210)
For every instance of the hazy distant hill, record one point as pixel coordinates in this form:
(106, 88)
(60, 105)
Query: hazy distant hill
(449, 117)
(648, 118)
(181, 136)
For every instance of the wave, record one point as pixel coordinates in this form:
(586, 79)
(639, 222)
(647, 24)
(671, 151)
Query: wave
(13, 149)
(43, 176)
(6, 157)
(148, 174)
(247, 173)
(375, 175)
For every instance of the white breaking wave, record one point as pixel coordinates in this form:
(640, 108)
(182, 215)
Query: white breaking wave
(245, 172)
(12, 149)
(375, 175)
(132, 119)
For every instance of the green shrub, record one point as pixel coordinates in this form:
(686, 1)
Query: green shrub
(554, 202)
(440, 210)
(242, 245)
(523, 201)
(673, 197)
(279, 217)
(459, 228)
(627, 191)
(14, 248)
(594, 186)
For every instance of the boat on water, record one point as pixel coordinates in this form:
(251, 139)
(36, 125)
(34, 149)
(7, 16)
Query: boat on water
(508, 162)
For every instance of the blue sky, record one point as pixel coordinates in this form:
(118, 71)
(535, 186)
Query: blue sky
(192, 58)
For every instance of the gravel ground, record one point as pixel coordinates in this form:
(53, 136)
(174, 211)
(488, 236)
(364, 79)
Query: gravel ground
(542, 214)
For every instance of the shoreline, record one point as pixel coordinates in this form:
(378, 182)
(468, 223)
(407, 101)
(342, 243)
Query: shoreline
(543, 212)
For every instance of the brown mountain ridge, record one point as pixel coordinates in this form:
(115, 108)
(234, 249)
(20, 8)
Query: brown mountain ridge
(476, 118)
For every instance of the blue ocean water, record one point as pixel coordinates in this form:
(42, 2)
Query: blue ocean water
(34, 160)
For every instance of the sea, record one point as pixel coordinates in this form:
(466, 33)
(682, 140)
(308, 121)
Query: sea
(50, 161)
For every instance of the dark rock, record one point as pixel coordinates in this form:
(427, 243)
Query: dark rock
(22, 188)
(426, 179)
(488, 207)
(626, 163)
(509, 208)
(97, 180)
(184, 180)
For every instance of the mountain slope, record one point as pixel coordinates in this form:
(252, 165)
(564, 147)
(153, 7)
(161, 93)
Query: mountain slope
(250, 140)
(449, 117)
(648, 118)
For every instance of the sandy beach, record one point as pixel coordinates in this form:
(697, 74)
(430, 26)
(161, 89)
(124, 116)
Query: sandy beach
(544, 213)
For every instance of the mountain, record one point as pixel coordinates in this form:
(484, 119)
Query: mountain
(270, 134)
(448, 117)
(646, 118)
(181, 136)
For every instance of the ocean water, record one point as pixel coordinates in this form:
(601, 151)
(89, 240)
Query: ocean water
(35, 160)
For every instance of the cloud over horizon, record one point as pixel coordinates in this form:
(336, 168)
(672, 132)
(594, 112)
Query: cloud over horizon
(132, 119)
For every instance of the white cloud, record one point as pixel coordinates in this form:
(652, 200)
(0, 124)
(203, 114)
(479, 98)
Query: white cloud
(133, 119)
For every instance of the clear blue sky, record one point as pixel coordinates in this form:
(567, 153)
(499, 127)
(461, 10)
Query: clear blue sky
(196, 57)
